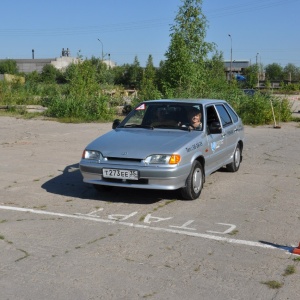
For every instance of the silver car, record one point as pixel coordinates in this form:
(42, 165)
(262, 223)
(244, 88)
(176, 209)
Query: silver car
(166, 145)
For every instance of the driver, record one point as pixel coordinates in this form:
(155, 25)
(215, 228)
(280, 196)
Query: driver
(194, 117)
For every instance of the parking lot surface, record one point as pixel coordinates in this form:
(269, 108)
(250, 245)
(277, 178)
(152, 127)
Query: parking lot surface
(62, 239)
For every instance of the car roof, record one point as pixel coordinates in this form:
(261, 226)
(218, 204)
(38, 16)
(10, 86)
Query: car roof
(192, 101)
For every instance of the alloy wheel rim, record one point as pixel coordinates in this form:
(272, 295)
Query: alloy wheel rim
(197, 180)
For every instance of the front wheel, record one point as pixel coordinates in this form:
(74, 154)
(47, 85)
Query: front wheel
(237, 158)
(194, 182)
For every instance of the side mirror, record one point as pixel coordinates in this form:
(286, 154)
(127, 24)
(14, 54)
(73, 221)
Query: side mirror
(116, 123)
(214, 128)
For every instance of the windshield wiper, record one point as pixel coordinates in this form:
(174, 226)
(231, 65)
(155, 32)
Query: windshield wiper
(137, 126)
(185, 128)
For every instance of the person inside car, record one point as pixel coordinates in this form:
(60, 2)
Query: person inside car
(194, 117)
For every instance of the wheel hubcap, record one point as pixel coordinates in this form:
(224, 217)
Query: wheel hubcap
(197, 180)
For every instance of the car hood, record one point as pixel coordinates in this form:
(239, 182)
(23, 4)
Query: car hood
(140, 143)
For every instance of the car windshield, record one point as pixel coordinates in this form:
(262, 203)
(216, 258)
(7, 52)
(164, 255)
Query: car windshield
(165, 115)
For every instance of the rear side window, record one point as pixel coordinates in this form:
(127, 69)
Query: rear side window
(224, 115)
(232, 113)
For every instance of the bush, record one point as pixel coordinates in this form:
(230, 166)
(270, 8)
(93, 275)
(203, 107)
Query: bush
(94, 109)
(257, 110)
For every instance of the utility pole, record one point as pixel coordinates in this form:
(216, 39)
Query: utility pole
(101, 49)
(230, 74)
(257, 69)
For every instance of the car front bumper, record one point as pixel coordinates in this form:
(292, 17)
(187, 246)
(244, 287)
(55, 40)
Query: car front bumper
(150, 177)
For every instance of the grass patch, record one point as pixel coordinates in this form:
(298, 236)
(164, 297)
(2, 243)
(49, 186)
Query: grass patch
(161, 205)
(197, 269)
(233, 232)
(142, 218)
(40, 207)
(295, 119)
(273, 284)
(149, 295)
(289, 270)
(96, 240)
(296, 258)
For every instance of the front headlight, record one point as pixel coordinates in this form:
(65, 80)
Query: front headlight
(92, 155)
(163, 159)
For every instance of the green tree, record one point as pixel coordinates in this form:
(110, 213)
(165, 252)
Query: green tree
(149, 88)
(252, 76)
(134, 74)
(8, 66)
(291, 72)
(129, 75)
(185, 65)
(49, 74)
(104, 74)
(33, 77)
(274, 72)
(119, 74)
(82, 79)
(179, 71)
(216, 79)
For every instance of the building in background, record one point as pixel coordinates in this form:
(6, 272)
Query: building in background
(235, 68)
(60, 63)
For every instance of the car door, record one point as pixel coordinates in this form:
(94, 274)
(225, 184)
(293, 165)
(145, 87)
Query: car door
(229, 130)
(216, 143)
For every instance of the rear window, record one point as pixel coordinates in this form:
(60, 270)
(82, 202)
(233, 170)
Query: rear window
(232, 113)
(224, 115)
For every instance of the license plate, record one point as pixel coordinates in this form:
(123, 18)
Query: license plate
(121, 174)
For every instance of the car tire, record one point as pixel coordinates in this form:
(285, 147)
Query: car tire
(237, 158)
(194, 182)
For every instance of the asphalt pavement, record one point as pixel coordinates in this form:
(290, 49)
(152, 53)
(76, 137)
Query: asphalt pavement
(62, 239)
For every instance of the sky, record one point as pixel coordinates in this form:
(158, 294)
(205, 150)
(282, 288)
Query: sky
(262, 30)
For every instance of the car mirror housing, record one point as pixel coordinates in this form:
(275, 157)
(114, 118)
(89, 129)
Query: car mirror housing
(214, 128)
(116, 123)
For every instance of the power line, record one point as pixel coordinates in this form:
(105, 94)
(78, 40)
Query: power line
(246, 7)
(145, 24)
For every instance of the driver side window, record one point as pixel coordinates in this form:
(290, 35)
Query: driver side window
(211, 115)
(213, 124)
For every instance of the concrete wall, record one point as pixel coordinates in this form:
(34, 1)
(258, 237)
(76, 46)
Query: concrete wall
(60, 63)
(63, 62)
(30, 65)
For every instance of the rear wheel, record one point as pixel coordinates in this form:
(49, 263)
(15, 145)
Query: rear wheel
(194, 182)
(237, 158)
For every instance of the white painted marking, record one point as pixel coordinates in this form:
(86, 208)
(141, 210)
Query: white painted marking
(188, 233)
(230, 229)
(119, 217)
(149, 217)
(184, 226)
(93, 213)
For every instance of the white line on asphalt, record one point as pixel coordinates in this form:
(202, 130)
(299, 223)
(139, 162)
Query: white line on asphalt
(90, 218)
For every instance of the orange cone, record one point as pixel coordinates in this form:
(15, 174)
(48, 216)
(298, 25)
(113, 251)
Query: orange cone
(296, 250)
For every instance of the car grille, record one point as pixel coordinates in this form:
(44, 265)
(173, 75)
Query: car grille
(140, 181)
(124, 159)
